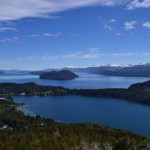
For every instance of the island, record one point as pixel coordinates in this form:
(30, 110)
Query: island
(59, 75)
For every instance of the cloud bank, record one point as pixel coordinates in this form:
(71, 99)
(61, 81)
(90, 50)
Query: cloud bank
(139, 4)
(18, 9)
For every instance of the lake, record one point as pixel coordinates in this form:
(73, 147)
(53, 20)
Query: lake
(91, 81)
(112, 112)
(107, 111)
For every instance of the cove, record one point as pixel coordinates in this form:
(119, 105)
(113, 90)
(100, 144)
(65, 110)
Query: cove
(113, 112)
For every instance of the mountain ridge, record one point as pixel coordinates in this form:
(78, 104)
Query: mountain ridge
(134, 71)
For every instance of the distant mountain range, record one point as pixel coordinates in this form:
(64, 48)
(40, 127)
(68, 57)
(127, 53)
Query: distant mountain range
(1, 72)
(79, 70)
(134, 71)
(14, 72)
(141, 70)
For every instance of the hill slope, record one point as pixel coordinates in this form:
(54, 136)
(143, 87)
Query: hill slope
(23, 132)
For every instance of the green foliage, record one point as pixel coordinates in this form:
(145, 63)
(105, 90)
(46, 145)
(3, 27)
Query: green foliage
(21, 132)
(139, 93)
(36, 133)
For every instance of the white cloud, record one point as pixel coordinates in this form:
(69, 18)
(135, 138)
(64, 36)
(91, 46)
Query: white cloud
(80, 55)
(146, 24)
(57, 34)
(10, 39)
(47, 34)
(123, 54)
(146, 54)
(108, 24)
(118, 34)
(3, 29)
(117, 54)
(130, 54)
(73, 55)
(93, 53)
(52, 34)
(138, 4)
(35, 35)
(89, 56)
(108, 27)
(94, 49)
(74, 34)
(17, 9)
(113, 21)
(129, 25)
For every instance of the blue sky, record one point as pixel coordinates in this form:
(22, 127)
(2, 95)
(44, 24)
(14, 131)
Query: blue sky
(41, 34)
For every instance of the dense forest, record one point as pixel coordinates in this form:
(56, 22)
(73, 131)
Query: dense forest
(30, 89)
(59, 75)
(139, 93)
(21, 132)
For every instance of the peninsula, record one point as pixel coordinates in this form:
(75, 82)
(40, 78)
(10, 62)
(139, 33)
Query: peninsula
(139, 93)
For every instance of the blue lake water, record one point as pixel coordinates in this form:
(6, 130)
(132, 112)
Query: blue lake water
(108, 111)
(92, 81)
(112, 112)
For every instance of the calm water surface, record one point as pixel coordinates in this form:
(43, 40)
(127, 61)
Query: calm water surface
(112, 112)
(85, 80)
(108, 111)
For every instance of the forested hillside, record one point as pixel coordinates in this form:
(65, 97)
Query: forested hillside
(20, 132)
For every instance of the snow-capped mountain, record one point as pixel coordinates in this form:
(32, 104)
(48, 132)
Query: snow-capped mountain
(119, 65)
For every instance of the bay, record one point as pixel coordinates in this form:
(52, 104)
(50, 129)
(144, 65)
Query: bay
(107, 111)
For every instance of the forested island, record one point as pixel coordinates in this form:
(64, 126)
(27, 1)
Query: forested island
(59, 75)
(139, 93)
(19, 131)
